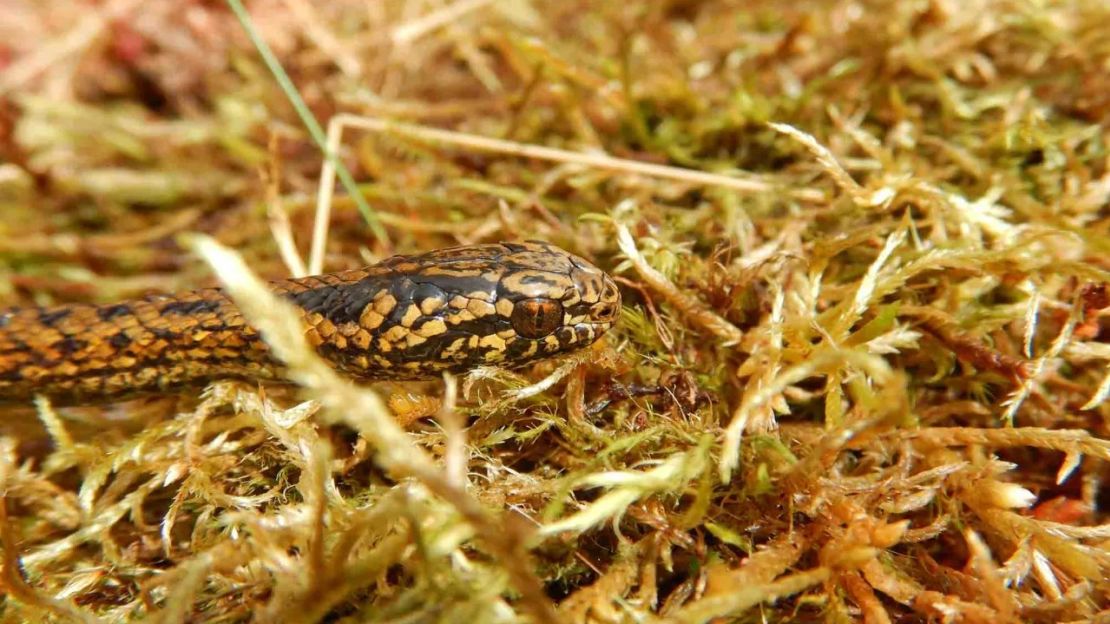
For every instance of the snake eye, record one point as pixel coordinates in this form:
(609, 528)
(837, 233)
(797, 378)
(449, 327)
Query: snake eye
(536, 318)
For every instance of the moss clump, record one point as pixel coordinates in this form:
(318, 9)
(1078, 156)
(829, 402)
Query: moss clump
(862, 372)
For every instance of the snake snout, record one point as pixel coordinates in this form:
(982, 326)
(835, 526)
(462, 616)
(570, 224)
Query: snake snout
(608, 307)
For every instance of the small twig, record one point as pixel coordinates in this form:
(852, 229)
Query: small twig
(597, 160)
(278, 218)
(455, 455)
(1065, 440)
(828, 162)
(691, 307)
(976, 353)
(618, 392)
(569, 365)
(409, 31)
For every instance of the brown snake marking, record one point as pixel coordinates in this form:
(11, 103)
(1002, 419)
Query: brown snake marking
(408, 317)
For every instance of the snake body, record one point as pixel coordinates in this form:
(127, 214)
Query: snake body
(408, 317)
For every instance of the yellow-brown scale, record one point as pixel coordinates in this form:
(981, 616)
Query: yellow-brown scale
(76, 353)
(405, 318)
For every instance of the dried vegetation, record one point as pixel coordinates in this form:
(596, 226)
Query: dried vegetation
(862, 372)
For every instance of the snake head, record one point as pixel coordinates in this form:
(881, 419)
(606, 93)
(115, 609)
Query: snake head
(455, 309)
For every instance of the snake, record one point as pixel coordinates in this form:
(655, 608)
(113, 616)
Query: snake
(408, 317)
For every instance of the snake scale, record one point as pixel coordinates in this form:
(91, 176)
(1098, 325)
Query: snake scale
(408, 317)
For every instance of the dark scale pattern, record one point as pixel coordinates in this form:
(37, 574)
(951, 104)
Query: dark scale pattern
(408, 317)
(192, 307)
(107, 313)
(50, 317)
(340, 303)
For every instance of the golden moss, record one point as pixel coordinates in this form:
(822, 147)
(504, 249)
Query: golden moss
(862, 373)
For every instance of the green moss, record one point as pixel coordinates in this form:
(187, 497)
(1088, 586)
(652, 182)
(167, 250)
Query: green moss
(852, 455)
